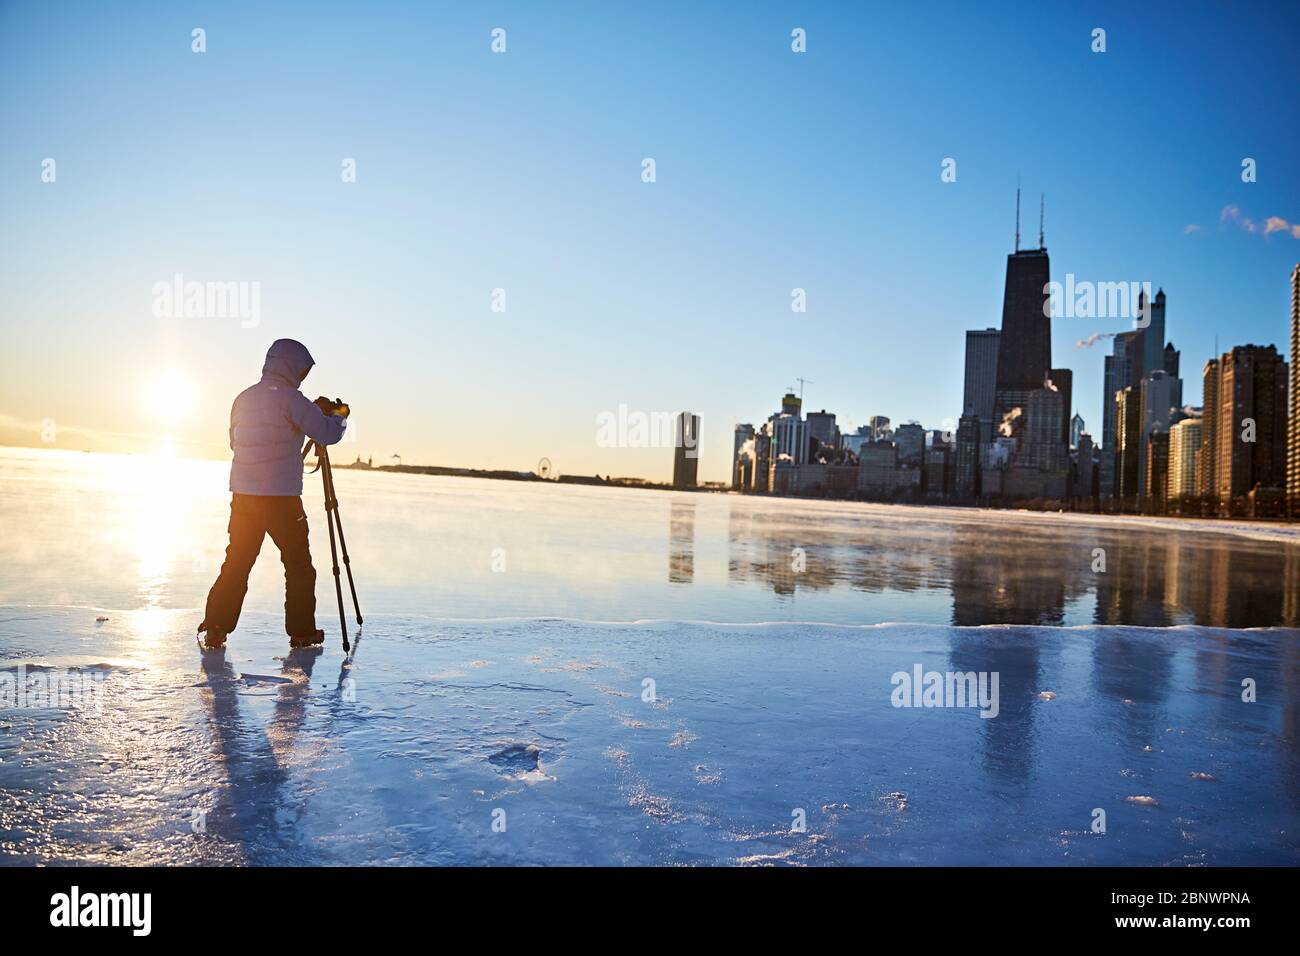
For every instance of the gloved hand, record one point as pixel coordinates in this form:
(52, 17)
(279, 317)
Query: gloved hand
(336, 407)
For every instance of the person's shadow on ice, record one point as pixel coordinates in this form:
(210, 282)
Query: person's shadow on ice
(252, 811)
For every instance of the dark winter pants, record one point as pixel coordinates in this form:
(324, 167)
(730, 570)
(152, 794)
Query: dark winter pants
(252, 517)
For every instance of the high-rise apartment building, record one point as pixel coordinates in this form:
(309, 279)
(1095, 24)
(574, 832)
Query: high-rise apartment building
(1128, 441)
(1207, 479)
(1244, 432)
(1184, 443)
(1293, 419)
(1155, 464)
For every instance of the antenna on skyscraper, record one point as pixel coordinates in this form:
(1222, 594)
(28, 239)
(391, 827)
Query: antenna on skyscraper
(1041, 203)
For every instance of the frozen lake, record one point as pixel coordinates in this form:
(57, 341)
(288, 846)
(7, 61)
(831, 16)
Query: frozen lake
(514, 634)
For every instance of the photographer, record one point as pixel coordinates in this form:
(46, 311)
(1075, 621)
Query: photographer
(267, 425)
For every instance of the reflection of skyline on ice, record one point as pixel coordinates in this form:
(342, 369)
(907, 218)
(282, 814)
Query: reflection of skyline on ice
(1037, 571)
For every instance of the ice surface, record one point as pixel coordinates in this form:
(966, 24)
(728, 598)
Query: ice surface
(474, 691)
(403, 756)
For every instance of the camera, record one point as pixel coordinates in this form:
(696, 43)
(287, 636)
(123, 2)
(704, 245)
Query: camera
(335, 407)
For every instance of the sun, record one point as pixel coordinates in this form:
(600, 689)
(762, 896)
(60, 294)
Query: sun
(169, 396)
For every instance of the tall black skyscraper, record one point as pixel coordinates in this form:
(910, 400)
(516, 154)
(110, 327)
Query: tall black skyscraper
(1031, 401)
(1025, 346)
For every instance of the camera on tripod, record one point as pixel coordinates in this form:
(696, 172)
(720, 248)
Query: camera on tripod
(332, 519)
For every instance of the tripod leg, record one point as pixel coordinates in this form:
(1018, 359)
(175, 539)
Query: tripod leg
(343, 545)
(330, 505)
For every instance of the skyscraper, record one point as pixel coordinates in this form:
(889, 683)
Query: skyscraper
(1106, 460)
(1293, 420)
(966, 459)
(1156, 397)
(1184, 442)
(686, 451)
(1085, 467)
(1039, 441)
(937, 476)
(1154, 344)
(1128, 441)
(878, 469)
(821, 426)
(1171, 360)
(1031, 400)
(1155, 474)
(981, 378)
(762, 471)
(1063, 381)
(1025, 345)
(910, 438)
(1123, 368)
(855, 441)
(1171, 369)
(1130, 350)
(1207, 479)
(1077, 427)
(1248, 436)
(789, 440)
(742, 457)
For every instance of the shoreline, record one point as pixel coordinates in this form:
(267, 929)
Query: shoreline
(1281, 529)
(1269, 529)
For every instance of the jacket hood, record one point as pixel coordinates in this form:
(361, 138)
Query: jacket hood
(286, 359)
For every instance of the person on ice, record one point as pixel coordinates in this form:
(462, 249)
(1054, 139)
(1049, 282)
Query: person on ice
(267, 425)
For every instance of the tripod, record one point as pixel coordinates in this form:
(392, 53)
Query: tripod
(334, 521)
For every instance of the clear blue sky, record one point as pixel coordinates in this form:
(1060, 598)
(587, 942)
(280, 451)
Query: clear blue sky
(522, 171)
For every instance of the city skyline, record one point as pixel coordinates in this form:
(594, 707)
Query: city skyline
(815, 173)
(1234, 456)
